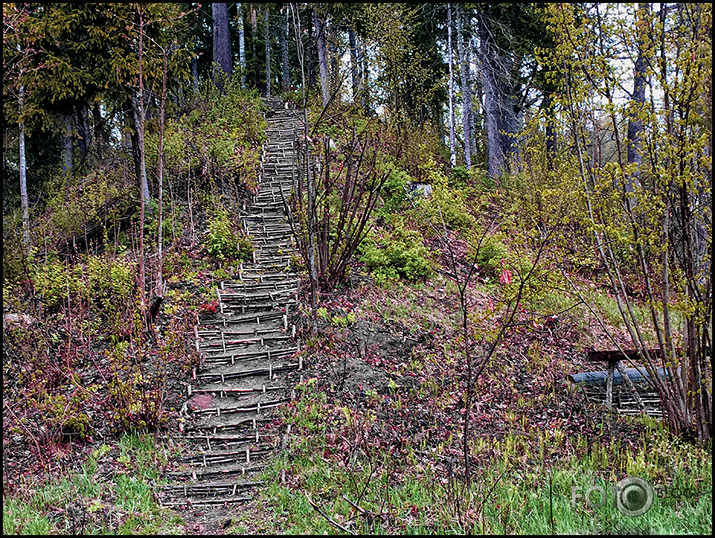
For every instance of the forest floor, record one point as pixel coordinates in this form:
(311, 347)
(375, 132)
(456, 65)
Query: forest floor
(387, 354)
(387, 375)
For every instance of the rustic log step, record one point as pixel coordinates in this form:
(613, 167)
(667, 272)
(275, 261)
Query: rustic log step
(233, 357)
(204, 458)
(222, 392)
(208, 501)
(237, 468)
(263, 340)
(241, 455)
(224, 438)
(274, 242)
(214, 369)
(267, 228)
(245, 426)
(227, 295)
(211, 487)
(218, 411)
(274, 195)
(253, 307)
(247, 275)
(253, 372)
(282, 283)
(274, 259)
(249, 318)
(267, 215)
(241, 426)
(255, 331)
(246, 344)
(261, 231)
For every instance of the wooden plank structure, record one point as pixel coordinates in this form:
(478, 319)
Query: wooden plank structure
(633, 383)
(229, 420)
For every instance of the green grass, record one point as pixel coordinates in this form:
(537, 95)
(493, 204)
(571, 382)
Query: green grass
(514, 491)
(110, 494)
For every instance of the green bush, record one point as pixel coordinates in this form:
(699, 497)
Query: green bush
(491, 254)
(394, 195)
(223, 241)
(399, 254)
(447, 206)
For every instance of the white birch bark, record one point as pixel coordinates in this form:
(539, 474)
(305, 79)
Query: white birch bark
(452, 149)
(241, 44)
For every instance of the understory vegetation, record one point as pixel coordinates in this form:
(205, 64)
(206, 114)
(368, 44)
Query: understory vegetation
(443, 309)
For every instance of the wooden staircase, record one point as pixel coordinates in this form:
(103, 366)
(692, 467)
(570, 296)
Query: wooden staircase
(230, 418)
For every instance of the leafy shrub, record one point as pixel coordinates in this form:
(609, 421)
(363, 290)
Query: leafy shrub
(223, 241)
(447, 206)
(100, 198)
(459, 176)
(221, 136)
(399, 254)
(65, 416)
(491, 254)
(394, 195)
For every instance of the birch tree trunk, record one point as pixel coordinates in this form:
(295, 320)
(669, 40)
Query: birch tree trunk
(466, 90)
(284, 51)
(23, 177)
(195, 75)
(241, 44)
(364, 75)
(322, 59)
(452, 149)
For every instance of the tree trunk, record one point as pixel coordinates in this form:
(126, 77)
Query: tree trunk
(635, 125)
(23, 178)
(138, 144)
(550, 131)
(144, 190)
(195, 75)
(452, 149)
(83, 132)
(354, 72)
(284, 51)
(310, 179)
(510, 115)
(477, 109)
(241, 44)
(267, 35)
(335, 83)
(322, 59)
(221, 43)
(160, 196)
(67, 160)
(466, 90)
(492, 121)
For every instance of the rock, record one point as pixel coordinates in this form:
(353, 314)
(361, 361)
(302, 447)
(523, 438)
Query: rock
(11, 320)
